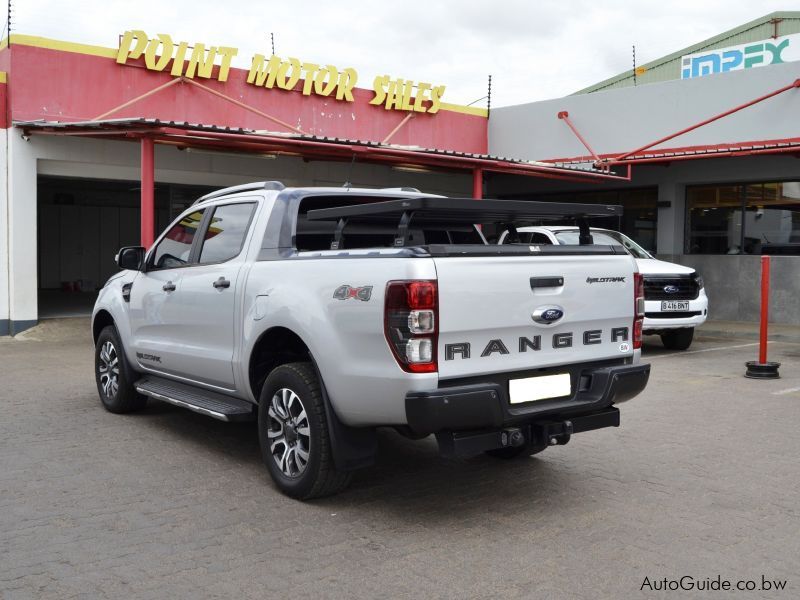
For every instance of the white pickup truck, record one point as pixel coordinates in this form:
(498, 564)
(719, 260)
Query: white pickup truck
(327, 312)
(675, 298)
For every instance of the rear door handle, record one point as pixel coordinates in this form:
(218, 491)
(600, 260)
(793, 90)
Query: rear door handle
(539, 282)
(221, 283)
(168, 287)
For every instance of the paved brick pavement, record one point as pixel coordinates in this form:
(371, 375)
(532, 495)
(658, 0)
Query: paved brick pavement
(701, 479)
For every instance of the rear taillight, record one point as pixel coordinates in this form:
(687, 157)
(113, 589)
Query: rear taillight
(638, 309)
(410, 323)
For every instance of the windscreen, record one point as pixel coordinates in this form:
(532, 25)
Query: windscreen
(611, 238)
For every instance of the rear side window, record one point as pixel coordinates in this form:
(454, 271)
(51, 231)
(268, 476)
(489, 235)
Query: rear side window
(226, 231)
(174, 248)
(528, 237)
(318, 235)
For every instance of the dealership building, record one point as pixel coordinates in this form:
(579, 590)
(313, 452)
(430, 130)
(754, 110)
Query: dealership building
(103, 147)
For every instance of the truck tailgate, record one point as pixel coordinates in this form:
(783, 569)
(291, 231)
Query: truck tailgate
(489, 307)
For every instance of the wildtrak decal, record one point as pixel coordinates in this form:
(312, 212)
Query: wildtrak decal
(150, 357)
(605, 280)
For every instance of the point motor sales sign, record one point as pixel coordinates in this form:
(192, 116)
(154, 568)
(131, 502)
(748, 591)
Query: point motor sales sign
(161, 53)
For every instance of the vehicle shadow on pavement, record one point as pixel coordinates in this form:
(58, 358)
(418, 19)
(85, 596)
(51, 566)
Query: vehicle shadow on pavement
(410, 478)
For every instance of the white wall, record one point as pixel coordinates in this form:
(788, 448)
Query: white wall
(4, 315)
(105, 159)
(22, 230)
(621, 120)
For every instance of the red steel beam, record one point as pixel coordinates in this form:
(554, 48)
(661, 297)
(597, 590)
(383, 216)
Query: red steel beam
(148, 209)
(564, 116)
(794, 84)
(405, 120)
(155, 90)
(236, 102)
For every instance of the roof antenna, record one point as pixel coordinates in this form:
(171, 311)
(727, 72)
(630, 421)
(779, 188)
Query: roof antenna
(347, 183)
(272, 38)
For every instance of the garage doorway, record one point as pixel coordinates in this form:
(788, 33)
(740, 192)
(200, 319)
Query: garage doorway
(81, 225)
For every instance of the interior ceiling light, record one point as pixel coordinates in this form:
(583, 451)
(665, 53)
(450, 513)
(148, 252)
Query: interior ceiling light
(265, 155)
(412, 168)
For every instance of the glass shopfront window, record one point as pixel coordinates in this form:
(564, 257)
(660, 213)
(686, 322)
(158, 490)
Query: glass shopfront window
(639, 218)
(751, 218)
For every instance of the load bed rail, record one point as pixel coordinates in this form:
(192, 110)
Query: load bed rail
(437, 211)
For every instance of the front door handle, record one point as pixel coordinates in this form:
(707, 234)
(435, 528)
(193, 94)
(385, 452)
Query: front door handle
(168, 287)
(221, 283)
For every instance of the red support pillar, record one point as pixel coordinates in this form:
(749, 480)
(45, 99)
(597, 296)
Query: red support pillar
(762, 346)
(763, 369)
(477, 183)
(148, 209)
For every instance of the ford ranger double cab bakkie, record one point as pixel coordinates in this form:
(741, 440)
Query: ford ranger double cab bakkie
(326, 313)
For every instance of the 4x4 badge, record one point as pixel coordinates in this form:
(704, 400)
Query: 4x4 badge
(343, 292)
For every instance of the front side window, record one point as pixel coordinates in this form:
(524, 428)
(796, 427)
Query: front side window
(226, 231)
(174, 248)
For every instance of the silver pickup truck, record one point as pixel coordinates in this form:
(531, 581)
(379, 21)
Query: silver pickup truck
(325, 313)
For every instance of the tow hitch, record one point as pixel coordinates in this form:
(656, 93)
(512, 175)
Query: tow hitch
(556, 432)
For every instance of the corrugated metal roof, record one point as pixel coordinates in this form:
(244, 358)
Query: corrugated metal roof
(110, 126)
(665, 155)
(668, 67)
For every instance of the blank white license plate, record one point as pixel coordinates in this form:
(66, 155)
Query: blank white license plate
(673, 305)
(538, 388)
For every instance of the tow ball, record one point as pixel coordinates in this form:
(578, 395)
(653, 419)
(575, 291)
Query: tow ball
(556, 434)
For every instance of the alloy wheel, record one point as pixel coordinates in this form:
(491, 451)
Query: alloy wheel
(108, 368)
(289, 433)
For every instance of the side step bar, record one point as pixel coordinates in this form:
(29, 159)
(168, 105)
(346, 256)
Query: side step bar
(205, 402)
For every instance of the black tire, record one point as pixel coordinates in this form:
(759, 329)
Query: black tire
(680, 339)
(124, 398)
(284, 438)
(510, 452)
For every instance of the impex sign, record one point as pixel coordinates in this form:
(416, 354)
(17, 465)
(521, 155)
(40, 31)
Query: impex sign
(773, 51)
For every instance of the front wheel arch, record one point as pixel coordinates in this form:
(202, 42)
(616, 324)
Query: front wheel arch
(102, 320)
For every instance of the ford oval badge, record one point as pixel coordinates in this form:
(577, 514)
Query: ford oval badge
(671, 289)
(547, 314)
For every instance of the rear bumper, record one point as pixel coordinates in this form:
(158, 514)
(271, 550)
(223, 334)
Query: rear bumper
(486, 406)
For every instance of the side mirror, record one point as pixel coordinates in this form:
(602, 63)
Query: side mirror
(131, 258)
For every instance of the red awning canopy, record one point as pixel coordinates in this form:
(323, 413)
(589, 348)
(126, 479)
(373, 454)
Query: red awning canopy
(185, 135)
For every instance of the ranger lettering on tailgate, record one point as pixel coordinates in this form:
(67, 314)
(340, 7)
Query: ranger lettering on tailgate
(560, 340)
